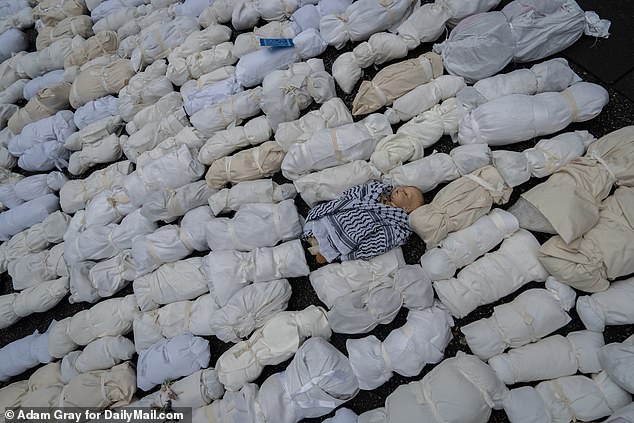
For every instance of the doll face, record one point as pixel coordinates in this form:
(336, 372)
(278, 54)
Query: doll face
(407, 198)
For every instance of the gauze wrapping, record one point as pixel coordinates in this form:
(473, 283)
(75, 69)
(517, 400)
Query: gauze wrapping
(36, 299)
(459, 204)
(463, 247)
(101, 354)
(46, 102)
(519, 117)
(258, 191)
(566, 399)
(169, 204)
(101, 44)
(111, 78)
(225, 142)
(493, 276)
(171, 359)
(550, 358)
(96, 110)
(272, 344)
(23, 354)
(143, 89)
(199, 63)
(232, 110)
(405, 351)
(531, 315)
(616, 359)
(610, 307)
(335, 146)
(26, 215)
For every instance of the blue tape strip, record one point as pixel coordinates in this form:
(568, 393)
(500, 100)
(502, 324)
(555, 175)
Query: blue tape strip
(276, 42)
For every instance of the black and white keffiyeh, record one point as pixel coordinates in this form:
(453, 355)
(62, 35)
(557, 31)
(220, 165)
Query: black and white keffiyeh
(361, 222)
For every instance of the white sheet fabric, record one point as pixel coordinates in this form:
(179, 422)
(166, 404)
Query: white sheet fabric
(531, 315)
(273, 343)
(96, 110)
(163, 108)
(30, 269)
(200, 63)
(144, 89)
(167, 205)
(101, 354)
(405, 351)
(90, 281)
(225, 142)
(14, 92)
(610, 307)
(623, 415)
(171, 359)
(493, 276)
(18, 356)
(246, 14)
(617, 359)
(196, 390)
(232, 110)
(550, 358)
(258, 191)
(36, 299)
(26, 215)
(47, 80)
(14, 193)
(109, 206)
(54, 128)
(198, 94)
(566, 399)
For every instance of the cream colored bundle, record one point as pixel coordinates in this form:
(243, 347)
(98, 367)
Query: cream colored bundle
(201, 40)
(43, 61)
(101, 354)
(197, 64)
(67, 28)
(117, 19)
(219, 12)
(105, 150)
(100, 80)
(102, 43)
(164, 107)
(225, 142)
(146, 16)
(37, 299)
(187, 136)
(93, 132)
(92, 281)
(53, 11)
(31, 269)
(144, 89)
(231, 111)
(45, 103)
(258, 191)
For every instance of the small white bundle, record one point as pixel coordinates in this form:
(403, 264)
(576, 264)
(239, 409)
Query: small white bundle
(250, 41)
(99, 80)
(550, 358)
(101, 354)
(99, 389)
(164, 107)
(27, 214)
(169, 204)
(14, 92)
(272, 344)
(258, 191)
(36, 299)
(463, 247)
(68, 27)
(13, 194)
(96, 110)
(196, 390)
(209, 89)
(31, 269)
(616, 359)
(531, 315)
(253, 226)
(405, 351)
(200, 63)
(225, 142)
(90, 281)
(246, 14)
(105, 150)
(610, 307)
(18, 356)
(201, 40)
(336, 146)
(622, 415)
(143, 89)
(170, 359)
(53, 128)
(105, 7)
(566, 399)
(232, 110)
(109, 206)
(47, 80)
(94, 132)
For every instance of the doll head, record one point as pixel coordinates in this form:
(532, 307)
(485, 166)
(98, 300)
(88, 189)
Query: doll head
(407, 198)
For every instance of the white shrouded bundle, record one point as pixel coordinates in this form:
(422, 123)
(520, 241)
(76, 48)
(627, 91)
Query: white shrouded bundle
(328, 184)
(94, 132)
(533, 314)
(520, 117)
(83, 51)
(550, 358)
(208, 89)
(566, 399)
(199, 41)
(187, 136)
(53, 11)
(169, 204)
(143, 89)
(610, 307)
(460, 389)
(336, 146)
(96, 110)
(66, 28)
(27, 214)
(252, 68)
(170, 359)
(109, 206)
(90, 281)
(617, 360)
(172, 242)
(463, 247)
(105, 150)
(47, 80)
(15, 193)
(101, 354)
(106, 7)
(18, 356)
(336, 280)
(309, 81)
(224, 142)
(331, 114)
(546, 158)
(45, 103)
(524, 31)
(405, 351)
(164, 107)
(171, 282)
(258, 191)
(20, 19)
(318, 380)
(362, 19)
(623, 415)
(232, 110)
(272, 344)
(342, 415)
(99, 80)
(54, 128)
(253, 226)
(37, 63)
(36, 299)
(493, 276)
(246, 14)
(427, 173)
(194, 66)
(31, 269)
(14, 92)
(227, 271)
(378, 302)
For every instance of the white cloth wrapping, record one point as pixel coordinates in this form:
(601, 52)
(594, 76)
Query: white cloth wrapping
(253, 226)
(247, 13)
(172, 242)
(109, 206)
(405, 351)
(623, 415)
(546, 158)
(519, 117)
(191, 7)
(47, 80)
(200, 93)
(258, 191)
(170, 359)
(95, 110)
(531, 315)
(252, 68)
(550, 358)
(38, 63)
(143, 89)
(250, 41)
(428, 172)
(610, 307)
(362, 19)
(43, 157)
(101, 354)
(15, 193)
(227, 271)
(92, 281)
(100, 79)
(36, 299)
(31, 269)
(18, 356)
(94, 132)
(342, 415)
(616, 359)
(106, 150)
(26, 215)
(225, 142)
(21, 19)
(378, 302)
(54, 128)
(336, 146)
(463, 247)
(566, 399)
(410, 140)
(524, 31)
(493, 276)
(328, 184)
(200, 63)
(272, 344)
(201, 40)
(14, 92)
(187, 136)
(106, 7)
(229, 112)
(460, 389)
(169, 204)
